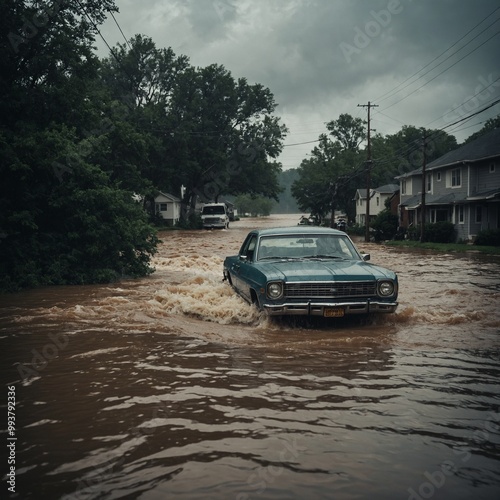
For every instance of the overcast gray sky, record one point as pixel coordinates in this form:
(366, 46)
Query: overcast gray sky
(426, 63)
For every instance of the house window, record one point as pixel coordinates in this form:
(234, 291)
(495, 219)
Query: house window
(163, 207)
(479, 214)
(429, 182)
(439, 215)
(403, 186)
(492, 168)
(378, 201)
(456, 178)
(461, 214)
(438, 176)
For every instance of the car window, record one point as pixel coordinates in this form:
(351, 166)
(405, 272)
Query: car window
(213, 210)
(308, 246)
(248, 248)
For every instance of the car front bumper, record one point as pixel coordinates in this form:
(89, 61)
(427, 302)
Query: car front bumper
(312, 308)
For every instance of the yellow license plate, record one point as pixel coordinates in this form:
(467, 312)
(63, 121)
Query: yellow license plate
(333, 312)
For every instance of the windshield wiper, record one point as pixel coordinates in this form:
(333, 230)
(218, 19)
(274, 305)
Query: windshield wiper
(321, 256)
(278, 257)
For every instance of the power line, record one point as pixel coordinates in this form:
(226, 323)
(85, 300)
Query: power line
(121, 31)
(387, 94)
(439, 74)
(300, 143)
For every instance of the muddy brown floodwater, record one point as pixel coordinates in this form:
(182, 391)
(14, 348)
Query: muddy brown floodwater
(172, 387)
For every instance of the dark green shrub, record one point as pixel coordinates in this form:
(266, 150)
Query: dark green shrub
(356, 230)
(488, 237)
(385, 225)
(440, 232)
(193, 221)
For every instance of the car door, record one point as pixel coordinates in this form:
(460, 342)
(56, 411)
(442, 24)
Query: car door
(242, 269)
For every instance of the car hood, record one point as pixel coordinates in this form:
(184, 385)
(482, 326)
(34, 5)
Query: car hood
(324, 270)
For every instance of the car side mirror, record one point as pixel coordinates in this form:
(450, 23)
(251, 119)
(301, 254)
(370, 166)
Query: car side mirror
(366, 256)
(244, 258)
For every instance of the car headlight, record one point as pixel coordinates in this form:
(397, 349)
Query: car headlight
(275, 290)
(386, 288)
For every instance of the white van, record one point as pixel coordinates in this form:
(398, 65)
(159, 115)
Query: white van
(214, 215)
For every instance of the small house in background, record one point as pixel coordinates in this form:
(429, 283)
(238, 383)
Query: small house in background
(168, 207)
(378, 198)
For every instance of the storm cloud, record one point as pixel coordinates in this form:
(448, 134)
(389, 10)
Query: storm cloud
(424, 63)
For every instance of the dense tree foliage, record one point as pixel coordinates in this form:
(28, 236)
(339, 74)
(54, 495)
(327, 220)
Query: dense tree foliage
(490, 124)
(80, 136)
(253, 205)
(337, 167)
(328, 179)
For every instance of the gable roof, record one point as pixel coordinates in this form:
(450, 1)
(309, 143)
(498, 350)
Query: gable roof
(170, 197)
(386, 189)
(484, 147)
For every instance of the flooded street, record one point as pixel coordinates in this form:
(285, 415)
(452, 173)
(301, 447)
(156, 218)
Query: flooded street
(172, 387)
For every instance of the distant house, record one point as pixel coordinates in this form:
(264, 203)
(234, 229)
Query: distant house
(378, 198)
(462, 187)
(168, 207)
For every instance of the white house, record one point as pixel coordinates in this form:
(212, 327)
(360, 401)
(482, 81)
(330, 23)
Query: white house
(378, 197)
(168, 207)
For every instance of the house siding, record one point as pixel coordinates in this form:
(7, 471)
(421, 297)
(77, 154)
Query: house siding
(473, 203)
(171, 208)
(377, 203)
(483, 179)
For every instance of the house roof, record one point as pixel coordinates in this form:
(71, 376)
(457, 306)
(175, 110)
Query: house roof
(484, 147)
(434, 200)
(485, 195)
(171, 197)
(386, 189)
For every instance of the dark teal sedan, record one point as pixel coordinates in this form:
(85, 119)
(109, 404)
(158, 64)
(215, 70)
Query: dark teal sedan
(309, 271)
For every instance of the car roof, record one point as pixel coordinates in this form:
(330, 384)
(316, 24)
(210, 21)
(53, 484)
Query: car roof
(297, 230)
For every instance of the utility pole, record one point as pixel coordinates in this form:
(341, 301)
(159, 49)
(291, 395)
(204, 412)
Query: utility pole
(333, 190)
(424, 188)
(368, 172)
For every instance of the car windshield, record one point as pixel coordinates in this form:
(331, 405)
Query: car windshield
(213, 210)
(321, 246)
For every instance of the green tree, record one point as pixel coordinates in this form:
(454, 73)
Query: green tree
(254, 205)
(201, 128)
(230, 138)
(63, 219)
(490, 124)
(327, 180)
(402, 152)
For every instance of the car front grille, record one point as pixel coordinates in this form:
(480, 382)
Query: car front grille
(331, 289)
